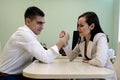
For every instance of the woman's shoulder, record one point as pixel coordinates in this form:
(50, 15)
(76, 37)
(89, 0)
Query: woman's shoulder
(98, 36)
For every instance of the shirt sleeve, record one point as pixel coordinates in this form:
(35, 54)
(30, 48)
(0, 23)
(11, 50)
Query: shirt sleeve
(101, 56)
(36, 50)
(32, 46)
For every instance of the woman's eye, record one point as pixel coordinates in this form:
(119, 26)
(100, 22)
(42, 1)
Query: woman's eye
(80, 25)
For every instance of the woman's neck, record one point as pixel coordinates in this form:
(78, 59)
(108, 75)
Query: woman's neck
(88, 37)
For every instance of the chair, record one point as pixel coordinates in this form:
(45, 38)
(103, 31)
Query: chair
(117, 62)
(75, 38)
(112, 55)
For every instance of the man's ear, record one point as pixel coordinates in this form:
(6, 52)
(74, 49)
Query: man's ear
(92, 26)
(27, 21)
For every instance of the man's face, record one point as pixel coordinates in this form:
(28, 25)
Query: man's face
(36, 24)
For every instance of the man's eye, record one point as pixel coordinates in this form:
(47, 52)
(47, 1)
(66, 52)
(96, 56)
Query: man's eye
(40, 22)
(80, 25)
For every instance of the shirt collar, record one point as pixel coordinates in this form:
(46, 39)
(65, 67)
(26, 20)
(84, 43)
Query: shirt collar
(26, 28)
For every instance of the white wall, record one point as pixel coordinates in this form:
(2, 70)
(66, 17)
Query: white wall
(60, 14)
(119, 23)
(0, 47)
(116, 24)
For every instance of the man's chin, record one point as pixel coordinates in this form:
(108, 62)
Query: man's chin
(38, 33)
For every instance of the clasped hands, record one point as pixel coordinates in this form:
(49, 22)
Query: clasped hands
(64, 37)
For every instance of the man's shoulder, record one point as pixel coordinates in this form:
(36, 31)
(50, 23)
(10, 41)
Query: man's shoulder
(22, 34)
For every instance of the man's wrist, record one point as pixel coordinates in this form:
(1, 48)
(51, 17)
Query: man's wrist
(59, 44)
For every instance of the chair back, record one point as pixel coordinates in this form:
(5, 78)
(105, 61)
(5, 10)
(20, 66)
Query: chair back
(75, 38)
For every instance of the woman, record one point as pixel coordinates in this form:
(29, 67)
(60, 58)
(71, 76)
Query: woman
(93, 42)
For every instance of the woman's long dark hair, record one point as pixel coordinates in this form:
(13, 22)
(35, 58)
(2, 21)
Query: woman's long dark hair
(91, 17)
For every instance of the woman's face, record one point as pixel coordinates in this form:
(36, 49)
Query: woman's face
(83, 27)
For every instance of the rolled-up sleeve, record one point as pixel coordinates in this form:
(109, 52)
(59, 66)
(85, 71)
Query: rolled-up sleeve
(72, 54)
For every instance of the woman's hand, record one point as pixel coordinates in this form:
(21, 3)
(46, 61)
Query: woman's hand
(62, 34)
(85, 61)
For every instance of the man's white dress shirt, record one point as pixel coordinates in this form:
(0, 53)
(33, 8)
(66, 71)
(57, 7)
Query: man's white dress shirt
(19, 50)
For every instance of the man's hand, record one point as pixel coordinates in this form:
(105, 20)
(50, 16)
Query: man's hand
(85, 61)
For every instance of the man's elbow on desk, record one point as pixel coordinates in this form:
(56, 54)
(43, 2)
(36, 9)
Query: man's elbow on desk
(47, 59)
(46, 62)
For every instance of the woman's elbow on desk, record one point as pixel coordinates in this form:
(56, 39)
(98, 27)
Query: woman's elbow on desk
(96, 62)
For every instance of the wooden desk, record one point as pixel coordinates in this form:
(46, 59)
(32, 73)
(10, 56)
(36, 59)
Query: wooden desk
(61, 68)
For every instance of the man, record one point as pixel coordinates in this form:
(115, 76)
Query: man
(22, 46)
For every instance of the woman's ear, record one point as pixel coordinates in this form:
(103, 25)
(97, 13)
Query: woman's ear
(92, 26)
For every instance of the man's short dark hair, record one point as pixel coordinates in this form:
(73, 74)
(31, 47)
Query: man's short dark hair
(33, 11)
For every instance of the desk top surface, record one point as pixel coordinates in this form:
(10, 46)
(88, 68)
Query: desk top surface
(62, 68)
